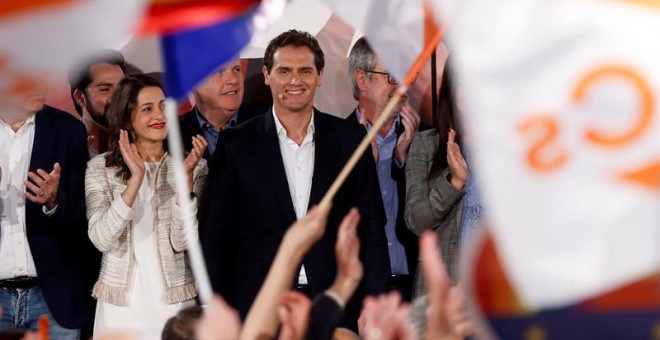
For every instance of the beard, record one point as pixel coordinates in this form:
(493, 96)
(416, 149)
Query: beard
(98, 117)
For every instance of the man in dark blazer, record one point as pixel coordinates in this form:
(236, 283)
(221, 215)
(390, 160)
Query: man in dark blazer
(51, 265)
(268, 171)
(373, 87)
(217, 102)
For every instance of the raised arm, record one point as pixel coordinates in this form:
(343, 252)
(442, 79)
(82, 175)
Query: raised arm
(262, 320)
(108, 217)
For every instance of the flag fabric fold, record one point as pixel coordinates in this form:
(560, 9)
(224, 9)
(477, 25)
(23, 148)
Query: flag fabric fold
(199, 36)
(43, 38)
(191, 55)
(562, 108)
(397, 30)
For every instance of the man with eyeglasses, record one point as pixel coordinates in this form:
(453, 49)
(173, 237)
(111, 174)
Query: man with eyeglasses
(373, 87)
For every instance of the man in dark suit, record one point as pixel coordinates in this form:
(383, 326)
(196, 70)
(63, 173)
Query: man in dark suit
(373, 87)
(217, 102)
(48, 264)
(268, 171)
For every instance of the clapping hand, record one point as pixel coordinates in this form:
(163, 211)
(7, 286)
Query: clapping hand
(135, 164)
(294, 314)
(42, 186)
(131, 157)
(386, 317)
(457, 164)
(193, 158)
(219, 321)
(410, 120)
(306, 231)
(347, 251)
(447, 317)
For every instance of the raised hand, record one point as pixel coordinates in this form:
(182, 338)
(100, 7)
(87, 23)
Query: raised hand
(135, 164)
(219, 321)
(410, 120)
(446, 316)
(306, 231)
(193, 158)
(131, 157)
(457, 312)
(294, 314)
(385, 317)
(42, 186)
(262, 319)
(457, 164)
(347, 251)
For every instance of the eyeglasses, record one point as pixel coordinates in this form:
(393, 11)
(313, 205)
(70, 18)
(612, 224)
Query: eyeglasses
(390, 78)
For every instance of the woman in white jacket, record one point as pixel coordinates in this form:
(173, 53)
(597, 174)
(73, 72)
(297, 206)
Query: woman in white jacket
(134, 215)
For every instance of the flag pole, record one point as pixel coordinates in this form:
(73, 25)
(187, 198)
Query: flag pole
(434, 85)
(384, 116)
(194, 250)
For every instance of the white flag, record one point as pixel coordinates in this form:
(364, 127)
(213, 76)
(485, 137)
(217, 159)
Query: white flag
(562, 103)
(397, 30)
(41, 37)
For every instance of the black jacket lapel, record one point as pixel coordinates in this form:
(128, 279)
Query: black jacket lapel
(42, 147)
(273, 165)
(325, 157)
(44, 141)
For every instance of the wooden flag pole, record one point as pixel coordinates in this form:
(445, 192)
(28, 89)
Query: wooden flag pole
(384, 116)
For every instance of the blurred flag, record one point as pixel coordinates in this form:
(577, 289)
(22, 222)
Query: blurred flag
(561, 105)
(198, 36)
(397, 30)
(40, 38)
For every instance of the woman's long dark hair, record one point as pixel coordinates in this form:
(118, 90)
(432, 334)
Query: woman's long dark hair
(444, 119)
(122, 104)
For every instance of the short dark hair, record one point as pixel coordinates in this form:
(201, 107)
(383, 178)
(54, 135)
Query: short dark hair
(182, 325)
(80, 76)
(298, 39)
(122, 103)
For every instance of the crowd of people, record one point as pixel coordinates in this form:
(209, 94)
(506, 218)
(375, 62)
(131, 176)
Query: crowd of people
(93, 233)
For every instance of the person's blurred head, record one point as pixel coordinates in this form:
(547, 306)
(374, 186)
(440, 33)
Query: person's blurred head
(221, 91)
(137, 106)
(293, 67)
(93, 82)
(182, 325)
(23, 102)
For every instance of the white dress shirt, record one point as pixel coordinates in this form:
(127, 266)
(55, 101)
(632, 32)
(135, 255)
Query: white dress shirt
(16, 148)
(299, 167)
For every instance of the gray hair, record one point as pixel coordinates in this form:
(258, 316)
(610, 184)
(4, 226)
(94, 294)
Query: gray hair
(362, 57)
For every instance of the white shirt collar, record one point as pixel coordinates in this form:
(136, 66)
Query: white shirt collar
(28, 122)
(281, 131)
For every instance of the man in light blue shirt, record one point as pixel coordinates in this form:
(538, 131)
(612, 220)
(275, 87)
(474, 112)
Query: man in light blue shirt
(373, 87)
